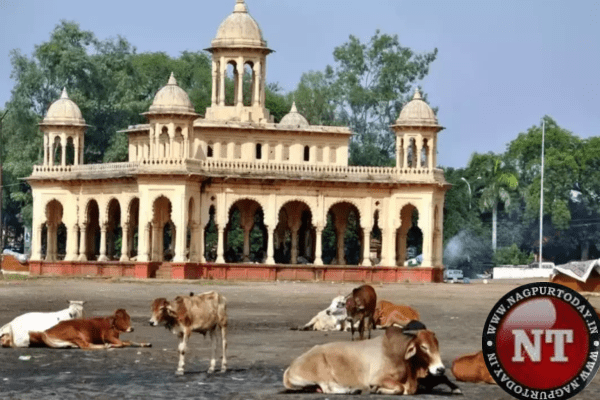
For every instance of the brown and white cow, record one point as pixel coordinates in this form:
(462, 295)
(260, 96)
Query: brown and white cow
(387, 314)
(389, 364)
(360, 306)
(91, 333)
(201, 313)
(472, 368)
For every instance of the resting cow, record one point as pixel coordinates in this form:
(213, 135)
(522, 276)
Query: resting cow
(472, 368)
(389, 364)
(330, 319)
(92, 333)
(387, 314)
(360, 306)
(16, 332)
(202, 313)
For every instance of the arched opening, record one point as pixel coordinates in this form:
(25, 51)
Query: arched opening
(409, 238)
(163, 141)
(412, 153)
(295, 236)
(245, 233)
(114, 231)
(70, 151)
(56, 232)
(248, 82)
(425, 154)
(92, 233)
(258, 151)
(375, 245)
(231, 83)
(134, 222)
(210, 150)
(306, 153)
(178, 150)
(348, 233)
(211, 236)
(56, 151)
(163, 231)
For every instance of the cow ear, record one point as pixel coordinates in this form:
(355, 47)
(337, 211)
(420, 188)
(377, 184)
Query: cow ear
(410, 351)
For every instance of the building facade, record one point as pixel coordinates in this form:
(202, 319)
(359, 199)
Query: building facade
(187, 176)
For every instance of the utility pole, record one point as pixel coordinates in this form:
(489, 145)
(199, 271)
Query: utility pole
(1, 222)
(541, 194)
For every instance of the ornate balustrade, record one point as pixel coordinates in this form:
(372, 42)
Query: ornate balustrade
(241, 169)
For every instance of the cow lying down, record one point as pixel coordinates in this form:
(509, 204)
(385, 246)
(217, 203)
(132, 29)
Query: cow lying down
(472, 368)
(333, 318)
(16, 332)
(390, 364)
(92, 333)
(202, 313)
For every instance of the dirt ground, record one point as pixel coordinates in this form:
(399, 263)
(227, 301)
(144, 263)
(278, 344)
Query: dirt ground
(261, 344)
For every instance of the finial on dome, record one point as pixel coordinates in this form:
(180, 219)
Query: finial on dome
(417, 94)
(240, 6)
(294, 109)
(172, 80)
(64, 94)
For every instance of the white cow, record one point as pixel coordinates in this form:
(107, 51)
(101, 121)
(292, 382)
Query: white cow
(16, 332)
(330, 319)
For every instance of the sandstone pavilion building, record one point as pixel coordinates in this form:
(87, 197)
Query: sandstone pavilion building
(187, 175)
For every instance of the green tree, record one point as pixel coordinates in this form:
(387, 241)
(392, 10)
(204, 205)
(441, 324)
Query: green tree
(499, 180)
(365, 89)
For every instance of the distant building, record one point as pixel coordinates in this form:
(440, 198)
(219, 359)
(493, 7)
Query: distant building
(187, 174)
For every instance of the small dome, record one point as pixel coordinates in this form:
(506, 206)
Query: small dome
(64, 111)
(172, 99)
(239, 30)
(294, 118)
(417, 112)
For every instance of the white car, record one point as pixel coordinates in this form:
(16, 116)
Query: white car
(453, 275)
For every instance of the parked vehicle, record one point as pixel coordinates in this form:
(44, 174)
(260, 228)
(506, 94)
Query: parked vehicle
(453, 275)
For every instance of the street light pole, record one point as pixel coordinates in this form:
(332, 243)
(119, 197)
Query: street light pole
(1, 222)
(542, 194)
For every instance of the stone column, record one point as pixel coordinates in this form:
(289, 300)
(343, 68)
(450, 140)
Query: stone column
(256, 89)
(72, 243)
(125, 243)
(340, 230)
(36, 248)
(76, 146)
(270, 233)
(63, 151)
(215, 84)
(220, 245)
(51, 150)
(201, 245)
(388, 250)
(157, 245)
(366, 262)
(144, 245)
(103, 230)
(46, 150)
(82, 242)
(246, 257)
(419, 152)
(428, 232)
(406, 146)
(240, 82)
(222, 82)
(319, 246)
(50, 241)
(294, 252)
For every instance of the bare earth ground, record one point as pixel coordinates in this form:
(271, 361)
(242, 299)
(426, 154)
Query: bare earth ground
(261, 344)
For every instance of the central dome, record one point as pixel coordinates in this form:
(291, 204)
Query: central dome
(417, 113)
(294, 118)
(239, 30)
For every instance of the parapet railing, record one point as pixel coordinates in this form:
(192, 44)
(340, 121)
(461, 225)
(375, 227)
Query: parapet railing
(238, 168)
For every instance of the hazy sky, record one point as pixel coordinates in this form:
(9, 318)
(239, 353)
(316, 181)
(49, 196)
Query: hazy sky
(501, 66)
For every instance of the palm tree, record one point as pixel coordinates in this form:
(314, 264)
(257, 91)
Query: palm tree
(499, 181)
